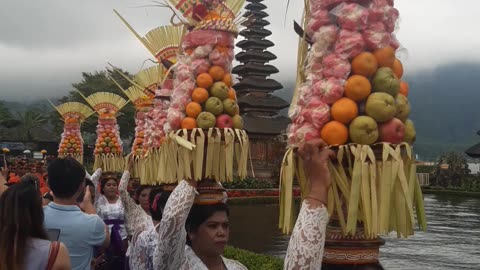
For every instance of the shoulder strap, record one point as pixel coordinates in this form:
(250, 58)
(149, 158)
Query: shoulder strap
(52, 255)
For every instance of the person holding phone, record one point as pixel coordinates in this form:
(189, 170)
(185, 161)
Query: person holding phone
(80, 231)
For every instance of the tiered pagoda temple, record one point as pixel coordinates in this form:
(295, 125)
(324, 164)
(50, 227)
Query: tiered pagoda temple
(259, 107)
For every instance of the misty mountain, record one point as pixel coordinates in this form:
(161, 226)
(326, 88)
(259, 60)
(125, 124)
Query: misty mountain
(445, 108)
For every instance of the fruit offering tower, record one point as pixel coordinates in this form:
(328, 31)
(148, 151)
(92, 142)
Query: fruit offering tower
(108, 147)
(143, 105)
(73, 114)
(350, 93)
(164, 44)
(205, 131)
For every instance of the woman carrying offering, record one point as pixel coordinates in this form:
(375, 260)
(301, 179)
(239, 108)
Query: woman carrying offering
(136, 215)
(193, 236)
(142, 250)
(111, 209)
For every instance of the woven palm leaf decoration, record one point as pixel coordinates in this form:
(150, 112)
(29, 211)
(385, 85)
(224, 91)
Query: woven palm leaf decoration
(162, 42)
(148, 80)
(108, 146)
(73, 114)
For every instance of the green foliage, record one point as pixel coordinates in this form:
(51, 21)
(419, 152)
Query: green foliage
(6, 118)
(99, 81)
(425, 169)
(248, 183)
(456, 173)
(252, 260)
(29, 120)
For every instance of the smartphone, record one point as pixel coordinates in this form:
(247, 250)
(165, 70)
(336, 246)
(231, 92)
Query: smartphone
(80, 197)
(53, 234)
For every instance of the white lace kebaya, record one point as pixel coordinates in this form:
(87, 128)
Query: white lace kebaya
(136, 219)
(305, 249)
(108, 211)
(172, 251)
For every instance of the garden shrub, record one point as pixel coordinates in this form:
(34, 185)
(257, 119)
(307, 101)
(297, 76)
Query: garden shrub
(252, 260)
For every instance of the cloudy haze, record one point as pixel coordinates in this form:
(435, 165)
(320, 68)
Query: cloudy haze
(45, 45)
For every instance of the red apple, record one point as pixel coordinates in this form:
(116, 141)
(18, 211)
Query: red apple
(392, 131)
(199, 12)
(224, 121)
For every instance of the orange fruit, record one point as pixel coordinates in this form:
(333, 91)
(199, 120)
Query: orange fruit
(398, 68)
(344, 110)
(385, 56)
(357, 87)
(212, 15)
(334, 133)
(204, 80)
(232, 94)
(217, 73)
(189, 123)
(404, 88)
(193, 109)
(200, 95)
(365, 64)
(227, 79)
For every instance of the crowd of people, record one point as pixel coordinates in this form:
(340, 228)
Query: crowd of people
(91, 222)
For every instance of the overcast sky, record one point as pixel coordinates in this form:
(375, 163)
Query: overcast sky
(45, 45)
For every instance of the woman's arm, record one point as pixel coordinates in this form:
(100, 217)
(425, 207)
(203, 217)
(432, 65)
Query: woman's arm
(170, 252)
(139, 256)
(305, 249)
(63, 259)
(135, 216)
(95, 177)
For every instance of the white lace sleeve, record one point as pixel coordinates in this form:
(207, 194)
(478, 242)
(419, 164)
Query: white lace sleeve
(170, 252)
(135, 217)
(95, 177)
(305, 249)
(139, 259)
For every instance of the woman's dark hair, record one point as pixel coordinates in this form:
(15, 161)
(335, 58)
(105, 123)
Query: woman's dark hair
(65, 176)
(200, 213)
(21, 216)
(157, 201)
(33, 179)
(370, 266)
(139, 191)
(105, 179)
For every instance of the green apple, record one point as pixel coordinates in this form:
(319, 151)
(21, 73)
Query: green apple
(386, 81)
(237, 122)
(410, 133)
(214, 105)
(219, 90)
(230, 107)
(363, 130)
(403, 107)
(381, 107)
(206, 120)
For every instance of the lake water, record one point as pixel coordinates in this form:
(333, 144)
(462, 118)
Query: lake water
(451, 242)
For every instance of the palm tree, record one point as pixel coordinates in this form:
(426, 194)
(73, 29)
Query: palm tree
(29, 120)
(6, 118)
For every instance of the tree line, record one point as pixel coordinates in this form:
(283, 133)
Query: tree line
(25, 122)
